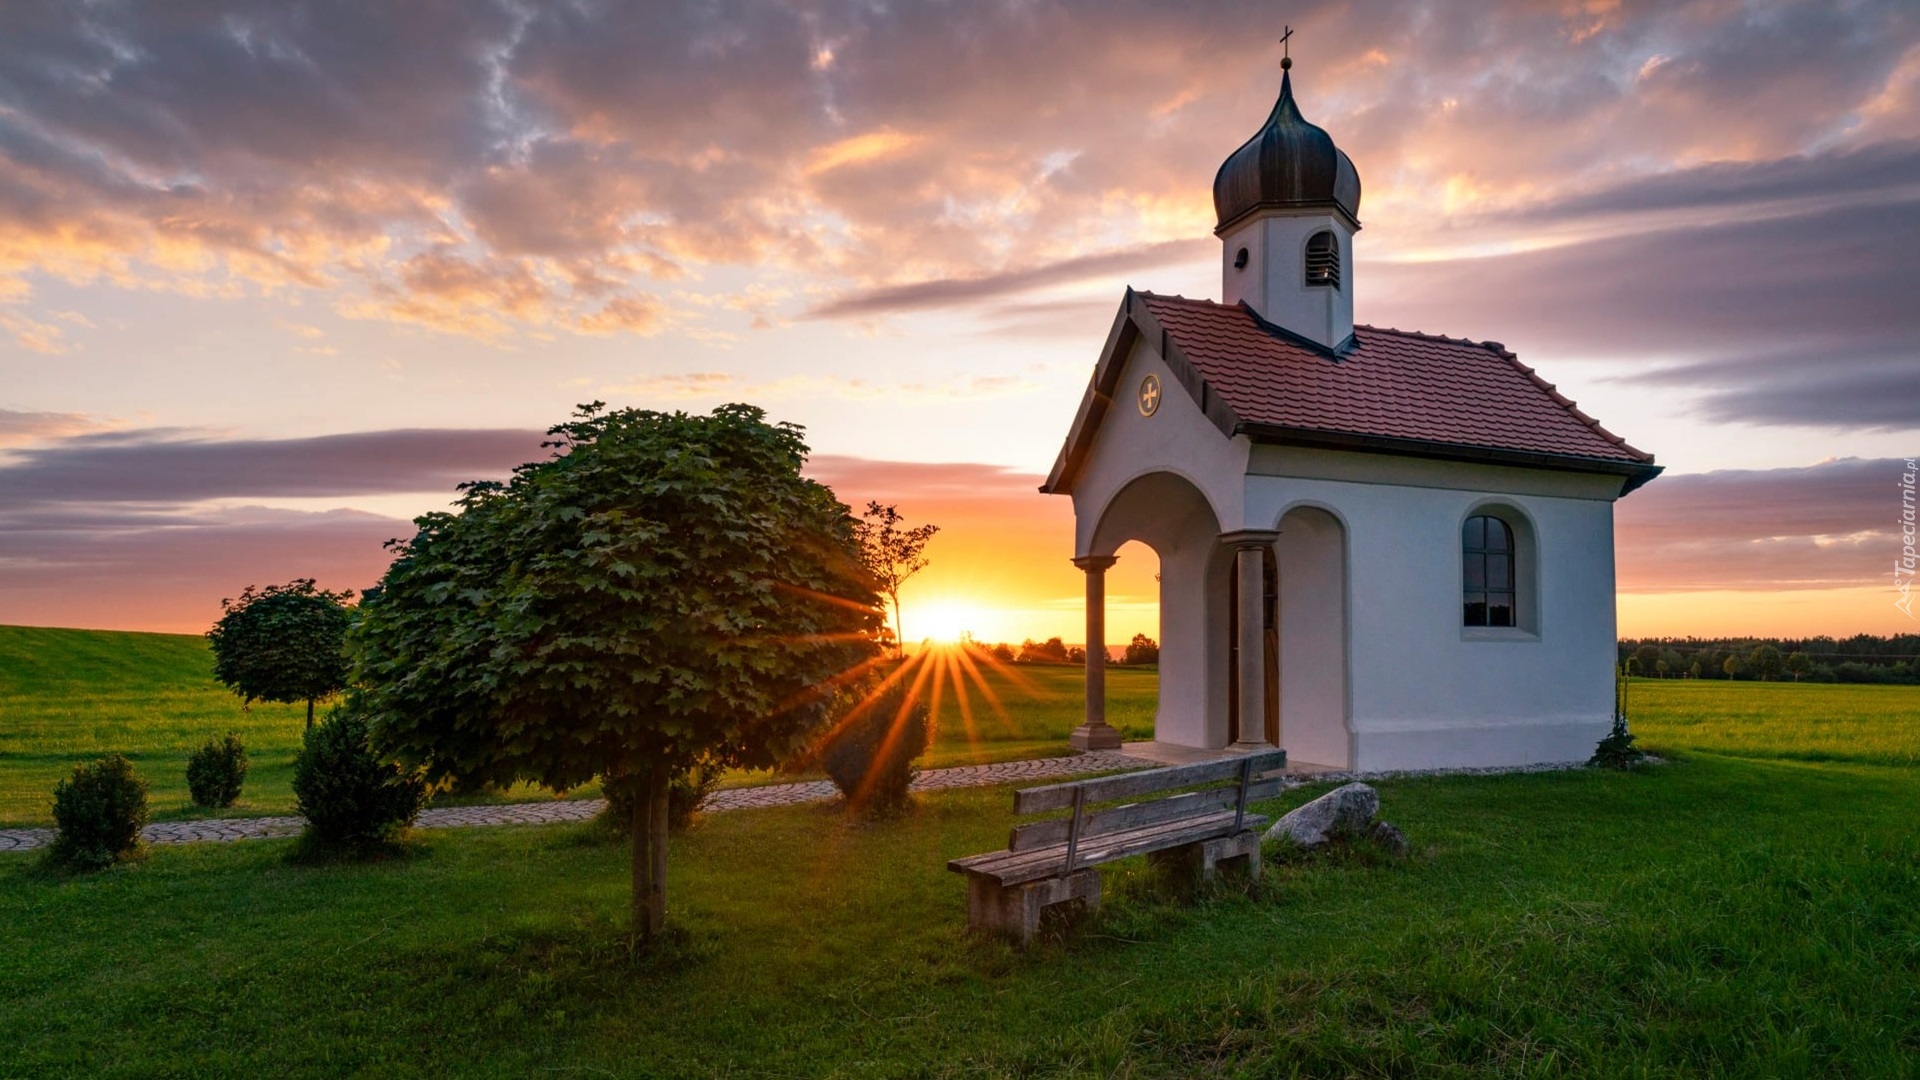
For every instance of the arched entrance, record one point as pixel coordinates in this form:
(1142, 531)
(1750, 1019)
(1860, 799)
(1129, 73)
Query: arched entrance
(1168, 514)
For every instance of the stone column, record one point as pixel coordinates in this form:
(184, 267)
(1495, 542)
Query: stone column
(1251, 580)
(1096, 733)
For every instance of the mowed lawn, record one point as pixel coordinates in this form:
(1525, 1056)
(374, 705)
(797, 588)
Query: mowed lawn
(1741, 912)
(68, 696)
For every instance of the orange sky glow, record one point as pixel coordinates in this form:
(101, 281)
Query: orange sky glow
(272, 285)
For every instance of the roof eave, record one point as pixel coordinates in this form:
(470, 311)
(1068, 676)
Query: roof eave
(1290, 208)
(1133, 323)
(1635, 473)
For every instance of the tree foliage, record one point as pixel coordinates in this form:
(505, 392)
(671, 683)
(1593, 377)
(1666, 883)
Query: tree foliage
(665, 590)
(283, 643)
(1141, 650)
(1050, 651)
(1765, 660)
(892, 554)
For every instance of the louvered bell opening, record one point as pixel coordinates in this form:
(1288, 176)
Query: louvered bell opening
(1323, 260)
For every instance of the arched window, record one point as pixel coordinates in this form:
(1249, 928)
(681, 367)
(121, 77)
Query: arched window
(1323, 259)
(1487, 572)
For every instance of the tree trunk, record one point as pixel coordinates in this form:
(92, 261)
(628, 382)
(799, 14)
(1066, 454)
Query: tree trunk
(649, 842)
(309, 714)
(899, 636)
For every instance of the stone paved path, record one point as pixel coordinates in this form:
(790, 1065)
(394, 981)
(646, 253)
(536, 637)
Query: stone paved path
(558, 810)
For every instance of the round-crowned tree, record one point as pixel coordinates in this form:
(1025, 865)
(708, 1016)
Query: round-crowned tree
(665, 590)
(283, 643)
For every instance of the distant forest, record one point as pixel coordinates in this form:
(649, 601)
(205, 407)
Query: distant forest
(1862, 658)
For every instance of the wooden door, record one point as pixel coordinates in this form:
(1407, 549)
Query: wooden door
(1270, 638)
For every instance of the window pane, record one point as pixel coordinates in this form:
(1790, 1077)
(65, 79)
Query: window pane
(1499, 571)
(1473, 571)
(1474, 536)
(1499, 609)
(1499, 536)
(1476, 609)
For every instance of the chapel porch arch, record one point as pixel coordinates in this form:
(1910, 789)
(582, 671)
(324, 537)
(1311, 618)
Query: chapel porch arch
(1169, 514)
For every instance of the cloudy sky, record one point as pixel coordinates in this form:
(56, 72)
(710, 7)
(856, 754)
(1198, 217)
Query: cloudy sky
(274, 276)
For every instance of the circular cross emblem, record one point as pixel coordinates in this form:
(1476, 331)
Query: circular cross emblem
(1149, 395)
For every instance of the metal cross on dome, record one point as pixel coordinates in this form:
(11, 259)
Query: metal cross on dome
(1286, 51)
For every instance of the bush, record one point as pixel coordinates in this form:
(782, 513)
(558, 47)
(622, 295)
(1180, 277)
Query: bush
(349, 795)
(684, 796)
(98, 814)
(870, 756)
(216, 771)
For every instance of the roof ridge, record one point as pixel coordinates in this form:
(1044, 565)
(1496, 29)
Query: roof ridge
(1183, 299)
(1423, 336)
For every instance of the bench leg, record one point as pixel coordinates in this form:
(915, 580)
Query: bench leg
(1013, 911)
(1241, 852)
(1201, 861)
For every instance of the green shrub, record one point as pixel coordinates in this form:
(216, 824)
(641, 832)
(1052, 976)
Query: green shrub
(687, 792)
(98, 814)
(870, 755)
(350, 796)
(216, 771)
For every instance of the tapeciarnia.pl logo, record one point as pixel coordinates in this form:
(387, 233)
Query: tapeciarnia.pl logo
(1903, 566)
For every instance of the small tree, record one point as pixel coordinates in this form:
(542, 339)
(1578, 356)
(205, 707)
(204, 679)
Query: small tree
(1798, 663)
(892, 555)
(665, 591)
(1142, 650)
(283, 643)
(1733, 666)
(1765, 661)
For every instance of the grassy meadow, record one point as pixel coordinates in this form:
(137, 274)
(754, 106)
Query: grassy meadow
(68, 696)
(1751, 909)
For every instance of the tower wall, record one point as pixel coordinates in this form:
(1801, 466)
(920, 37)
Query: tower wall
(1274, 283)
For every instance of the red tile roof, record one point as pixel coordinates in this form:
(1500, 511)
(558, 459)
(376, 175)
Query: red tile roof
(1392, 384)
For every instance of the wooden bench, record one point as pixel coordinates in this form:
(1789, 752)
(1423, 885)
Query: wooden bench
(1052, 861)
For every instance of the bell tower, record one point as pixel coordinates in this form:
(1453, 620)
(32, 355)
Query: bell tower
(1288, 203)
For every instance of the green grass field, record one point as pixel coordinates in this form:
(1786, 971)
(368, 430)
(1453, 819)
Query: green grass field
(1751, 909)
(68, 696)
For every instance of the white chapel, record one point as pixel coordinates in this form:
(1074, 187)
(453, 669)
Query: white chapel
(1378, 549)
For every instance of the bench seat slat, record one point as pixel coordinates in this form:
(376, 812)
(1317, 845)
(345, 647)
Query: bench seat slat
(1039, 834)
(1146, 782)
(1017, 867)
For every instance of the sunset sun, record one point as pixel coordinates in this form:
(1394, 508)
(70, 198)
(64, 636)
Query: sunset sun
(943, 622)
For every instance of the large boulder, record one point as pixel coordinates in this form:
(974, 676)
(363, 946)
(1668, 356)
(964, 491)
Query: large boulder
(1345, 810)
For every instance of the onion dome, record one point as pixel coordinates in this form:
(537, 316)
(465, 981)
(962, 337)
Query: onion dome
(1288, 165)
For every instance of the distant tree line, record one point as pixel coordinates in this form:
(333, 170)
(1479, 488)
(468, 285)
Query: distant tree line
(1862, 658)
(1142, 651)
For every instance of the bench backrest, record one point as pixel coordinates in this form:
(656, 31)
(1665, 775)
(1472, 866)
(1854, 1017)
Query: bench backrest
(1243, 773)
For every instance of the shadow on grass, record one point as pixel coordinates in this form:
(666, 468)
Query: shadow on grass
(310, 851)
